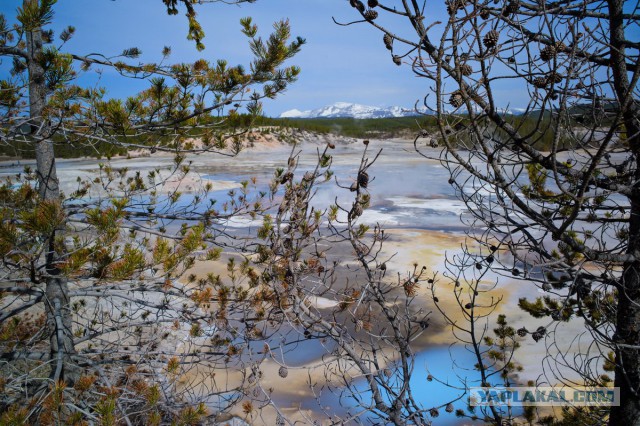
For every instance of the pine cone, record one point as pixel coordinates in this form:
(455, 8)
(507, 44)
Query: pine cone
(512, 7)
(363, 179)
(449, 408)
(454, 5)
(397, 60)
(434, 412)
(429, 378)
(388, 41)
(466, 69)
(360, 6)
(548, 53)
(546, 287)
(540, 82)
(356, 211)
(283, 372)
(490, 40)
(370, 15)
(539, 333)
(484, 14)
(554, 77)
(372, 3)
(289, 277)
(522, 332)
(456, 99)
(286, 178)
(561, 47)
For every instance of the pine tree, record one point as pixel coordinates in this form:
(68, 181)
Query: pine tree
(89, 293)
(554, 189)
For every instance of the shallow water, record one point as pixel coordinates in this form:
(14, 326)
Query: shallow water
(450, 366)
(407, 191)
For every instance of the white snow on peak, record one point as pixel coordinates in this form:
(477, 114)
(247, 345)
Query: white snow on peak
(346, 109)
(293, 113)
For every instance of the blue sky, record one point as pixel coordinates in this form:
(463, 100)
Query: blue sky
(338, 63)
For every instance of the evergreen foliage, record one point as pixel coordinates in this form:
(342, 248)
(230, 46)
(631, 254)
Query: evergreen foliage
(553, 190)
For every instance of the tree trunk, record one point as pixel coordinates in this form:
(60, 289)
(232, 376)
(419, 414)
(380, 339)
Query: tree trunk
(627, 375)
(627, 336)
(57, 304)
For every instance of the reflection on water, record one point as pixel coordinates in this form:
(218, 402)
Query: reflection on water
(407, 191)
(451, 368)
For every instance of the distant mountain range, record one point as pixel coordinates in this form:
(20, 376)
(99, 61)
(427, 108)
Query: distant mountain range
(349, 110)
(358, 111)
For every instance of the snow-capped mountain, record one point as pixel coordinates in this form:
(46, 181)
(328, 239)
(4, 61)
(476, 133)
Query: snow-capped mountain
(345, 109)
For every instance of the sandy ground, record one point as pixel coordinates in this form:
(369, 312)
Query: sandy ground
(404, 247)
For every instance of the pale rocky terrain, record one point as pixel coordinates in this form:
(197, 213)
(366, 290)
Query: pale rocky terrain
(265, 150)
